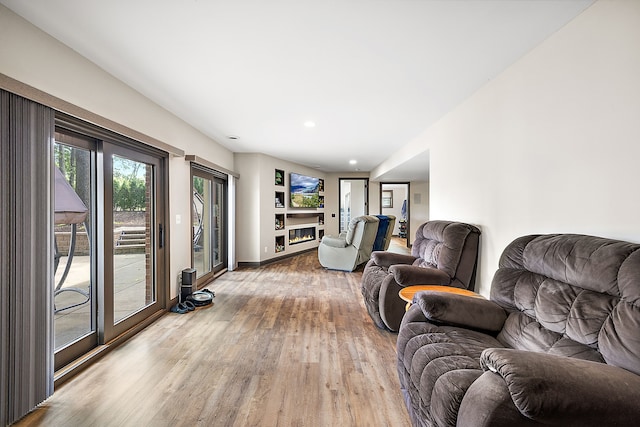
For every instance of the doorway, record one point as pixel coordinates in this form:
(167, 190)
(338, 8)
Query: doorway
(354, 199)
(394, 200)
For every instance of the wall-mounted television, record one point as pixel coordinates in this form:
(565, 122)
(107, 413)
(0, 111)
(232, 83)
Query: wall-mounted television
(304, 191)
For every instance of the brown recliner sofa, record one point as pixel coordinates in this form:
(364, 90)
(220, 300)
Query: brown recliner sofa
(443, 253)
(557, 344)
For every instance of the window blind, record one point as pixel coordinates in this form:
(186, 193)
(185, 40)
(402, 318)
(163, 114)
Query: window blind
(26, 242)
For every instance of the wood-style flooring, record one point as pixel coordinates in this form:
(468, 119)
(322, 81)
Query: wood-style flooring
(285, 344)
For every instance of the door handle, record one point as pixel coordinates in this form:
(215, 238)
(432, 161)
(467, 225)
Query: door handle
(160, 236)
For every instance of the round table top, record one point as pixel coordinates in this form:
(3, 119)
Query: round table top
(407, 293)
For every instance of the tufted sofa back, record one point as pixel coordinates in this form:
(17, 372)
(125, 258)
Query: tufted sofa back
(572, 295)
(448, 246)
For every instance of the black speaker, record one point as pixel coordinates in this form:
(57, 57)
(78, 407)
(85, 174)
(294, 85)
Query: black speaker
(188, 283)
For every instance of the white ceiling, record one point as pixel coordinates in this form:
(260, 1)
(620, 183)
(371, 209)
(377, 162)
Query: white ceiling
(372, 74)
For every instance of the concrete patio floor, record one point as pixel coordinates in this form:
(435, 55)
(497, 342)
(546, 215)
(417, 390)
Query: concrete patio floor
(129, 295)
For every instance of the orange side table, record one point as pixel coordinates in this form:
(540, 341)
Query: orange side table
(407, 293)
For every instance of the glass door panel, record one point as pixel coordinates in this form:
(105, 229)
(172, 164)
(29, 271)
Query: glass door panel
(74, 261)
(133, 254)
(201, 225)
(134, 238)
(75, 320)
(219, 258)
(208, 224)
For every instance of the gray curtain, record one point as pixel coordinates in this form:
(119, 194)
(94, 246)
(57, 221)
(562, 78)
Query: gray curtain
(26, 273)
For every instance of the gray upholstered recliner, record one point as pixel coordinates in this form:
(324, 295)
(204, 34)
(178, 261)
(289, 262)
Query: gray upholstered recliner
(558, 343)
(351, 248)
(443, 253)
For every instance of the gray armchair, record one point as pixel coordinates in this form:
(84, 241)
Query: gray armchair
(558, 343)
(351, 248)
(443, 253)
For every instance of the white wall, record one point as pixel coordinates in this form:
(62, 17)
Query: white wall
(248, 210)
(552, 144)
(256, 205)
(36, 59)
(418, 207)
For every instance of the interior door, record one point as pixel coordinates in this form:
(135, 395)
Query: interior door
(134, 237)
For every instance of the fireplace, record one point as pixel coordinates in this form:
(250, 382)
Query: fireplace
(301, 235)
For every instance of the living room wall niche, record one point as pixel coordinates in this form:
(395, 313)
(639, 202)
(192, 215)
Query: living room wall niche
(264, 214)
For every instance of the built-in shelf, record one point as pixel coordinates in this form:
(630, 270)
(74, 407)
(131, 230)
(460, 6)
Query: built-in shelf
(279, 221)
(295, 226)
(279, 177)
(302, 214)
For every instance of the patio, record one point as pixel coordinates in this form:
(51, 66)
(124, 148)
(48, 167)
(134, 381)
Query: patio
(129, 295)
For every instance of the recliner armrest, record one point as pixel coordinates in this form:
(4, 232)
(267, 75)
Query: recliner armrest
(407, 275)
(461, 310)
(335, 242)
(565, 391)
(387, 259)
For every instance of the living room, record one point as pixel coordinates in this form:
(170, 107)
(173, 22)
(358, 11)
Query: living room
(548, 145)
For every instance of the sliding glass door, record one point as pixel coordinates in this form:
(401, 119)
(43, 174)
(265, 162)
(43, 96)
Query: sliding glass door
(110, 239)
(208, 224)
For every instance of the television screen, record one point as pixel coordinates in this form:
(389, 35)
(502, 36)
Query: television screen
(305, 191)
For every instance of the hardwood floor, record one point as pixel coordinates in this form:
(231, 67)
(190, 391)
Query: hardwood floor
(286, 344)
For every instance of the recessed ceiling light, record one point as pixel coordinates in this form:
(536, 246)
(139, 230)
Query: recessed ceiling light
(310, 124)
(353, 162)
(233, 137)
